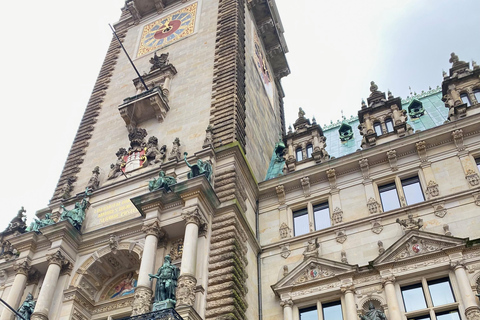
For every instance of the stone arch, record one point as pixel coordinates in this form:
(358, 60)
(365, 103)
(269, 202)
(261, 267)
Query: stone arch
(377, 301)
(476, 282)
(104, 265)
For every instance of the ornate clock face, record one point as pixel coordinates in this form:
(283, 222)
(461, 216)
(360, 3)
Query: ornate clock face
(167, 29)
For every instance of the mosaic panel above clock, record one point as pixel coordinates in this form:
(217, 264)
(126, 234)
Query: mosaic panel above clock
(167, 29)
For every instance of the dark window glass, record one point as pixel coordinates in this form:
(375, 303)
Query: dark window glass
(389, 125)
(321, 214)
(477, 161)
(309, 151)
(449, 315)
(332, 311)
(300, 222)
(378, 128)
(413, 298)
(477, 95)
(308, 313)
(412, 190)
(420, 318)
(389, 197)
(299, 154)
(465, 99)
(441, 292)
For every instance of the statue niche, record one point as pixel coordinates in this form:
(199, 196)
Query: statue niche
(167, 276)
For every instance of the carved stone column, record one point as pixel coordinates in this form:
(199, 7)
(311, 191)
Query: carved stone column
(287, 309)
(392, 301)
(186, 282)
(143, 292)
(472, 311)
(55, 263)
(351, 309)
(16, 291)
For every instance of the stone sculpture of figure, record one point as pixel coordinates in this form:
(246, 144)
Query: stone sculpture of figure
(94, 181)
(27, 307)
(116, 169)
(152, 153)
(163, 181)
(18, 223)
(175, 152)
(312, 249)
(37, 224)
(77, 214)
(373, 314)
(201, 167)
(167, 276)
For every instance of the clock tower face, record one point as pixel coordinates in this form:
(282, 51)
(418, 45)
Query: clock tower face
(167, 29)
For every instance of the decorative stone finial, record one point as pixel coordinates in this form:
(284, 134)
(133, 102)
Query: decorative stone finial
(363, 104)
(314, 121)
(390, 95)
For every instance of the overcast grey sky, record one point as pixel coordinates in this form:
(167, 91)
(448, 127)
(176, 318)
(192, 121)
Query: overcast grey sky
(52, 52)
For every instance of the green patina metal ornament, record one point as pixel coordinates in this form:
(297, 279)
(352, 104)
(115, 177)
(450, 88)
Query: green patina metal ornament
(167, 276)
(77, 214)
(37, 224)
(200, 168)
(162, 182)
(277, 162)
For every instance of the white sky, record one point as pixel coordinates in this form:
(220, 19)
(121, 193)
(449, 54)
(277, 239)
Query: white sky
(52, 52)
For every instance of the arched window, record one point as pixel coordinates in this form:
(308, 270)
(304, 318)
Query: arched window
(309, 151)
(299, 154)
(389, 125)
(465, 99)
(378, 128)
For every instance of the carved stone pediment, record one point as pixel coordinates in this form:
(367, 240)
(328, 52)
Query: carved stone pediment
(417, 243)
(313, 270)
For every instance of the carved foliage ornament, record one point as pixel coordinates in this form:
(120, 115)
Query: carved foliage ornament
(432, 189)
(57, 258)
(192, 215)
(22, 268)
(142, 301)
(186, 290)
(154, 229)
(284, 231)
(314, 271)
(337, 215)
(472, 177)
(373, 206)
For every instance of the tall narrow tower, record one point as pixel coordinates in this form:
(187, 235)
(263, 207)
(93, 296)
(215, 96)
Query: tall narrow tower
(164, 164)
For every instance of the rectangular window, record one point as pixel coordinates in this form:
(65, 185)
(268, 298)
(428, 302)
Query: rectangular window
(321, 215)
(309, 151)
(308, 313)
(477, 161)
(330, 311)
(441, 294)
(300, 222)
(465, 99)
(389, 125)
(299, 154)
(412, 190)
(389, 197)
(378, 129)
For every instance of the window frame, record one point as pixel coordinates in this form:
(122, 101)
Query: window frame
(379, 126)
(319, 308)
(310, 209)
(309, 151)
(389, 121)
(467, 98)
(397, 183)
(299, 151)
(297, 214)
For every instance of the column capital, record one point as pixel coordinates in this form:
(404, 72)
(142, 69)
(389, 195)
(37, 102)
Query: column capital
(388, 280)
(286, 303)
(472, 313)
(22, 267)
(457, 264)
(347, 289)
(57, 258)
(67, 269)
(154, 229)
(192, 215)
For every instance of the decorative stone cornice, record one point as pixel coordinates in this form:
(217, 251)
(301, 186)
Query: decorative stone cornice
(22, 267)
(57, 258)
(154, 229)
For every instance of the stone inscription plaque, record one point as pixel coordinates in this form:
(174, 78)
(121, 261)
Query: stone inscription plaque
(106, 214)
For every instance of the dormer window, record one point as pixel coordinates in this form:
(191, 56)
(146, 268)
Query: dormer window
(309, 151)
(465, 99)
(389, 125)
(378, 128)
(415, 109)
(345, 132)
(299, 154)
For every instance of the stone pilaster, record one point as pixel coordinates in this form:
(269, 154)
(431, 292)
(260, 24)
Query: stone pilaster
(18, 286)
(472, 311)
(143, 292)
(55, 263)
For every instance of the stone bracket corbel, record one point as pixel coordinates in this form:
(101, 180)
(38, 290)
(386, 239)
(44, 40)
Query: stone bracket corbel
(392, 159)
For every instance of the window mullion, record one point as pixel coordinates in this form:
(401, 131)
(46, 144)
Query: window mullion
(426, 293)
(401, 195)
(319, 308)
(311, 218)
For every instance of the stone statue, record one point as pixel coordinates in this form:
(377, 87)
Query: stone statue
(175, 152)
(312, 249)
(373, 314)
(152, 153)
(26, 309)
(77, 214)
(37, 224)
(202, 167)
(116, 169)
(94, 181)
(163, 181)
(18, 223)
(166, 276)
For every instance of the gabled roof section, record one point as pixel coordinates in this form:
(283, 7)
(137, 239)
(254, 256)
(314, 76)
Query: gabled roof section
(313, 270)
(415, 244)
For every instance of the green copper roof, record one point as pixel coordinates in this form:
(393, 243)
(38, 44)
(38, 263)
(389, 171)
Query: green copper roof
(435, 115)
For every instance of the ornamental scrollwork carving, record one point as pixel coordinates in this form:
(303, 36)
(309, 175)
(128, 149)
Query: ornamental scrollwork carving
(142, 301)
(432, 189)
(410, 223)
(22, 268)
(337, 215)
(57, 258)
(186, 290)
(373, 206)
(284, 231)
(192, 215)
(472, 177)
(376, 226)
(341, 236)
(154, 229)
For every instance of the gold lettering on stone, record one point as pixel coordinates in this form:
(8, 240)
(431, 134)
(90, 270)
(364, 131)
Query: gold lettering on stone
(115, 210)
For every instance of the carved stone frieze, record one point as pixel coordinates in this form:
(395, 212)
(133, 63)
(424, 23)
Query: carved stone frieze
(314, 271)
(341, 236)
(154, 229)
(439, 209)
(392, 159)
(373, 206)
(305, 181)
(285, 231)
(410, 223)
(337, 215)
(416, 246)
(186, 290)
(472, 177)
(142, 301)
(377, 227)
(365, 168)
(280, 194)
(432, 189)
